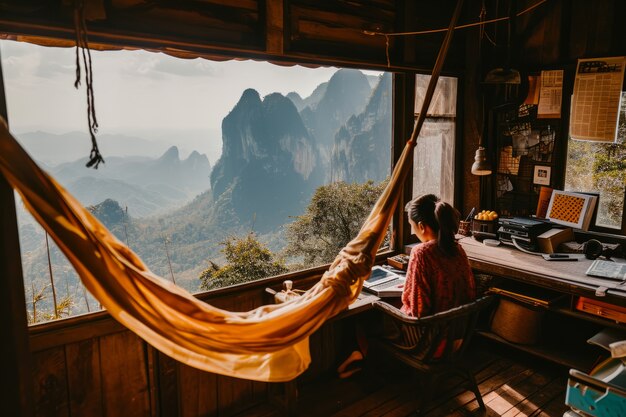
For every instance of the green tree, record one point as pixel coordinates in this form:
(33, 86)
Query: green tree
(333, 218)
(247, 259)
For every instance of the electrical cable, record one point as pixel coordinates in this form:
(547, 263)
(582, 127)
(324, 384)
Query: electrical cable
(465, 26)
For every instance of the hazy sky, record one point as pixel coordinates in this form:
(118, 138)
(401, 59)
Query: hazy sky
(136, 89)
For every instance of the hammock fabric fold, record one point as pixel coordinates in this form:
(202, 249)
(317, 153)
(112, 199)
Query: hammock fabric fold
(269, 343)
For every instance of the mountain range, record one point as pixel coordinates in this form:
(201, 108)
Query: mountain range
(276, 151)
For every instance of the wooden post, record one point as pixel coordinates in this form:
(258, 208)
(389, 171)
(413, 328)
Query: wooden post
(16, 395)
(16, 377)
(404, 119)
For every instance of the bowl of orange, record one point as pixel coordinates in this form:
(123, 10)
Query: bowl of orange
(485, 225)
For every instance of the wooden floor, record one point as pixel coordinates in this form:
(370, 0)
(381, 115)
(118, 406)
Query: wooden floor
(512, 384)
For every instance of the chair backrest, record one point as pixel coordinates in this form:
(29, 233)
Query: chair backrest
(441, 337)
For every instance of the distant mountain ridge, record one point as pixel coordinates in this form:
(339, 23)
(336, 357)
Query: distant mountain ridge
(54, 149)
(312, 100)
(146, 186)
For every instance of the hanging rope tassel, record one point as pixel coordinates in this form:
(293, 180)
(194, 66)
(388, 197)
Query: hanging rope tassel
(82, 48)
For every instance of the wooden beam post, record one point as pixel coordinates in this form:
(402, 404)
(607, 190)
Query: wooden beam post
(403, 121)
(15, 376)
(274, 27)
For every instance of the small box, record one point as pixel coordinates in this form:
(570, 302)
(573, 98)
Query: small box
(400, 261)
(550, 240)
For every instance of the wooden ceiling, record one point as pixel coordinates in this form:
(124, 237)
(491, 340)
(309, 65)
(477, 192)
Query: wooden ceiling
(546, 33)
(310, 32)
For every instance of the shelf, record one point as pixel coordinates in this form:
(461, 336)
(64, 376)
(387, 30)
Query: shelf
(580, 360)
(567, 311)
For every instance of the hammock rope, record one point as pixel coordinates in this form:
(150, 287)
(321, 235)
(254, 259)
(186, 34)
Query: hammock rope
(269, 343)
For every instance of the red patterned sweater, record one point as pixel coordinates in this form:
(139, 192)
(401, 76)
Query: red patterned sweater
(436, 282)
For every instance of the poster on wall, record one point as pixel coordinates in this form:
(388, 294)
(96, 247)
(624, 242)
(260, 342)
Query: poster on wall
(596, 99)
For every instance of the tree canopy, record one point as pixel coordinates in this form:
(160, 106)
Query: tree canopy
(247, 259)
(333, 217)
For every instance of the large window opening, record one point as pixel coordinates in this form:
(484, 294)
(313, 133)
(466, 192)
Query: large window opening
(215, 173)
(600, 168)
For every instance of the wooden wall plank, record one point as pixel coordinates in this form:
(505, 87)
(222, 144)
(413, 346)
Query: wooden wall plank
(550, 53)
(167, 376)
(234, 394)
(84, 376)
(58, 333)
(317, 24)
(125, 391)
(50, 379)
(151, 355)
(197, 392)
(591, 33)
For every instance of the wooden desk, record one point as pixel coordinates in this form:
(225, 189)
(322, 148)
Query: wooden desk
(568, 277)
(566, 330)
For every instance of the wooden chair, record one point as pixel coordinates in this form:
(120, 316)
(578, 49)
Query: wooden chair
(433, 345)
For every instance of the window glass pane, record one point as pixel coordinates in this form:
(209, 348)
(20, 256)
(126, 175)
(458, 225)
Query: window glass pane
(433, 165)
(216, 173)
(599, 168)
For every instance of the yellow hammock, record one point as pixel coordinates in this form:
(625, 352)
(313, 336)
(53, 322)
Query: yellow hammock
(269, 343)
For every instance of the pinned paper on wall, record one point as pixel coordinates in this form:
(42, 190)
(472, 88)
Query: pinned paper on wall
(550, 94)
(596, 99)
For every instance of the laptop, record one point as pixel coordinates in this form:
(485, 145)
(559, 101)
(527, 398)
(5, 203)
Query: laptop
(384, 282)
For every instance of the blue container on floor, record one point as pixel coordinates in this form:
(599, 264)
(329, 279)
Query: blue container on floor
(601, 393)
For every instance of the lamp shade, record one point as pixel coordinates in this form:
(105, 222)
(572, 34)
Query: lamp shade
(481, 166)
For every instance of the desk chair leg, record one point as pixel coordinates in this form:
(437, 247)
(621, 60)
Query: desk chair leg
(427, 388)
(474, 387)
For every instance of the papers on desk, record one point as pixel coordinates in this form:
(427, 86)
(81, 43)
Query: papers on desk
(607, 269)
(384, 282)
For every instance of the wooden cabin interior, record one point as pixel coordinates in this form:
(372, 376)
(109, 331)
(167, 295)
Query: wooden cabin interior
(90, 365)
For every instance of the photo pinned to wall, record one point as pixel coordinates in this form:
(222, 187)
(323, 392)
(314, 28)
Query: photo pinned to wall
(542, 175)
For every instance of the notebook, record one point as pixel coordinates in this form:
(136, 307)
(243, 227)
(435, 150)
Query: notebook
(384, 282)
(607, 269)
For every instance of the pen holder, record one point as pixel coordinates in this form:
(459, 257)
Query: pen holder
(485, 229)
(465, 228)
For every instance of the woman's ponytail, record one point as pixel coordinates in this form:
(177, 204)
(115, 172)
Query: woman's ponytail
(448, 219)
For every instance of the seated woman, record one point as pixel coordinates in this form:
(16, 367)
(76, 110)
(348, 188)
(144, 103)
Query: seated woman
(439, 276)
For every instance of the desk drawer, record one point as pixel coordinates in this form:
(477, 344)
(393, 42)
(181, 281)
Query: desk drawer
(598, 308)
